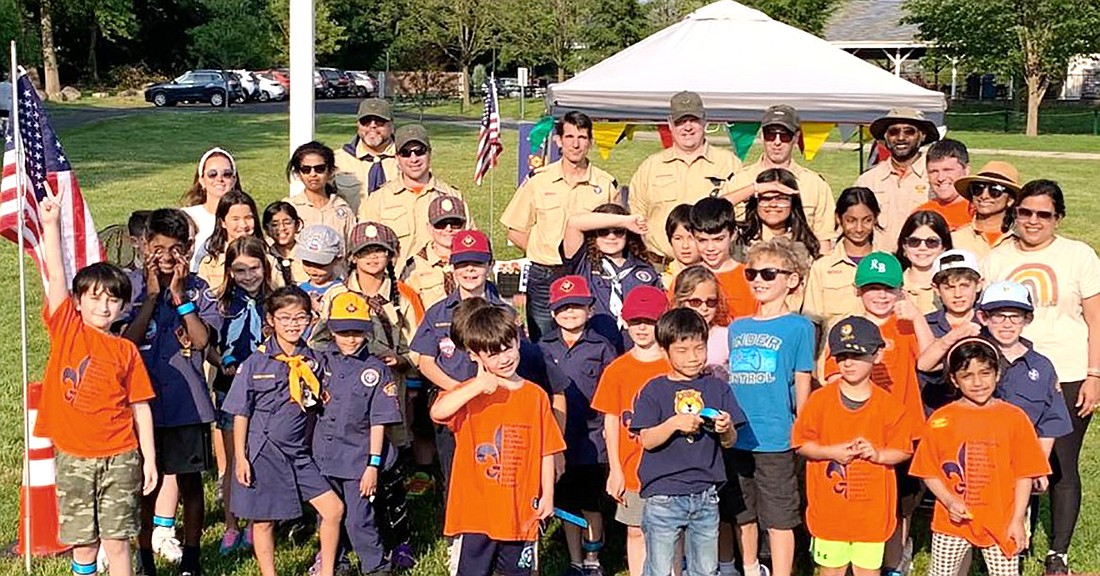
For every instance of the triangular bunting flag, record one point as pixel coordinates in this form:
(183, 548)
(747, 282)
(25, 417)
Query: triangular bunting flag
(628, 133)
(814, 134)
(540, 131)
(666, 135)
(607, 135)
(847, 131)
(742, 136)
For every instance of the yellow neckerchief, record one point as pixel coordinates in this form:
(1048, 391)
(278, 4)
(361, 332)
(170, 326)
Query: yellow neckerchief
(300, 371)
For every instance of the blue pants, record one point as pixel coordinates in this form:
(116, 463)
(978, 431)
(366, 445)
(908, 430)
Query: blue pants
(360, 526)
(539, 319)
(695, 516)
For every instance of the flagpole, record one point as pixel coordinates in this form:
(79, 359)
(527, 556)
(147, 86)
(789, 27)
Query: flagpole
(14, 119)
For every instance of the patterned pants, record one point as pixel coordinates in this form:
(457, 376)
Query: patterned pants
(948, 553)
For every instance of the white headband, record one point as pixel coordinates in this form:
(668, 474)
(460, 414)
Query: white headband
(206, 156)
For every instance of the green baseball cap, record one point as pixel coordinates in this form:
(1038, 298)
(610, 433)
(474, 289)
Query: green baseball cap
(879, 268)
(376, 107)
(686, 104)
(411, 133)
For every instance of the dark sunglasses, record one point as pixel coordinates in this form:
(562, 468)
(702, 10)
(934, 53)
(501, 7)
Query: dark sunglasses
(1028, 213)
(784, 136)
(914, 242)
(768, 274)
(995, 190)
(604, 232)
(227, 173)
(315, 168)
(901, 131)
(453, 223)
(406, 152)
(700, 302)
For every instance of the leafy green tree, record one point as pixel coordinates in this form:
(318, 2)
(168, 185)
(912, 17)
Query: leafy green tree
(109, 20)
(809, 15)
(328, 34)
(463, 30)
(232, 36)
(611, 26)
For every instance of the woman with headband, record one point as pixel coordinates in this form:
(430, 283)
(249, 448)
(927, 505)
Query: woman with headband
(216, 174)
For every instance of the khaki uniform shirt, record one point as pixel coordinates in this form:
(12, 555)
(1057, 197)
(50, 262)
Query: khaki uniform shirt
(541, 206)
(831, 289)
(817, 197)
(426, 276)
(353, 169)
(969, 238)
(664, 181)
(406, 212)
(925, 298)
(335, 214)
(898, 196)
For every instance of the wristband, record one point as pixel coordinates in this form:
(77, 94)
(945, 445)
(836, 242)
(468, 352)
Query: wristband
(375, 461)
(186, 308)
(1094, 372)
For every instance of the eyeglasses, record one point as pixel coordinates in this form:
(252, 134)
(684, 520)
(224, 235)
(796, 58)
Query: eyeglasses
(1028, 214)
(452, 223)
(783, 135)
(1004, 317)
(227, 173)
(931, 242)
(901, 131)
(995, 190)
(768, 274)
(778, 199)
(315, 168)
(406, 152)
(605, 232)
(298, 320)
(700, 302)
(277, 224)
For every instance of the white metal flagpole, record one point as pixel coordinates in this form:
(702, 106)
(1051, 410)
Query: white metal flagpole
(14, 119)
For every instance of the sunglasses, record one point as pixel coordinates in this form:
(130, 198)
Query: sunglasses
(700, 302)
(227, 173)
(1027, 214)
(368, 120)
(315, 168)
(781, 199)
(406, 152)
(452, 223)
(914, 242)
(901, 131)
(784, 136)
(995, 190)
(604, 232)
(768, 274)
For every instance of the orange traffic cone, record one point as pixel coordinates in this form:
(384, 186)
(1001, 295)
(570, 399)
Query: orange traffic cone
(41, 490)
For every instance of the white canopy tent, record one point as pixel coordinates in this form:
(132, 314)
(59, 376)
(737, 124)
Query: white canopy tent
(740, 61)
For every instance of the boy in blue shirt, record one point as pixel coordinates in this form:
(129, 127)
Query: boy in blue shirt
(770, 366)
(957, 278)
(684, 420)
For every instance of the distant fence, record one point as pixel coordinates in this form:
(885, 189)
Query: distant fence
(1011, 120)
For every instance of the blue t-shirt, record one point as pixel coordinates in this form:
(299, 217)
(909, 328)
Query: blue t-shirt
(684, 464)
(764, 356)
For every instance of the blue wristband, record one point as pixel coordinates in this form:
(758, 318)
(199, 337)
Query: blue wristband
(186, 308)
(413, 384)
(375, 461)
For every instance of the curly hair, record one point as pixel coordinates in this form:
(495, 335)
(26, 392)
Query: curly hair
(794, 254)
(635, 246)
(689, 279)
(797, 226)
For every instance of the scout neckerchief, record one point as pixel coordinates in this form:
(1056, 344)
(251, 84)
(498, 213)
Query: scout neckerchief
(616, 278)
(442, 263)
(299, 372)
(248, 318)
(377, 306)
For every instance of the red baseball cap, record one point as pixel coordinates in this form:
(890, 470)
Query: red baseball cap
(470, 246)
(645, 303)
(570, 290)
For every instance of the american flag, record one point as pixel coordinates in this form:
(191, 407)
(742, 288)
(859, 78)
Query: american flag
(488, 137)
(46, 172)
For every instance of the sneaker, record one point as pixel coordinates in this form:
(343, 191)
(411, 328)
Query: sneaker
(231, 540)
(166, 544)
(419, 485)
(1056, 565)
(765, 571)
(592, 569)
(573, 570)
(402, 556)
(315, 569)
(246, 541)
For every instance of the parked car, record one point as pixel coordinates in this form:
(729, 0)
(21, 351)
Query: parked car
(333, 83)
(249, 84)
(196, 86)
(280, 75)
(365, 85)
(269, 89)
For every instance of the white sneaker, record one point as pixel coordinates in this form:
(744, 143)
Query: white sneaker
(166, 544)
(101, 564)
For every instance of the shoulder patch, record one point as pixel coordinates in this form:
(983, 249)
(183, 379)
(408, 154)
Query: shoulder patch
(644, 275)
(390, 390)
(370, 377)
(342, 212)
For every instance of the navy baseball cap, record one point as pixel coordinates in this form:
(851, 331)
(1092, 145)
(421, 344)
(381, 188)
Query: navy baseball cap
(855, 335)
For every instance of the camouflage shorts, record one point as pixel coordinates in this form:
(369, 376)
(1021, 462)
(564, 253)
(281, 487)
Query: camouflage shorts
(98, 497)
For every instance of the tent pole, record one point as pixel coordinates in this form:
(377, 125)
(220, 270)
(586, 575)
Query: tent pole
(860, 129)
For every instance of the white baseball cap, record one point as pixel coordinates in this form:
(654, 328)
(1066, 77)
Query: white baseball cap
(1006, 294)
(955, 260)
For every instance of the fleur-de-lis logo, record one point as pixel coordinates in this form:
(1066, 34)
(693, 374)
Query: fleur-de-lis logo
(837, 473)
(956, 471)
(489, 454)
(73, 378)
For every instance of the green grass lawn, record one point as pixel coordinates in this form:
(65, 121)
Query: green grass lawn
(147, 161)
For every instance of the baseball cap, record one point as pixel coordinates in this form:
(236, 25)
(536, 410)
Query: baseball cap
(855, 335)
(376, 107)
(686, 104)
(644, 303)
(955, 259)
(319, 244)
(446, 208)
(781, 115)
(568, 290)
(470, 246)
(879, 268)
(1006, 294)
(411, 133)
(349, 312)
(372, 234)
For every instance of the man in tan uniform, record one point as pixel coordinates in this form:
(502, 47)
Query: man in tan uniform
(900, 184)
(536, 215)
(691, 169)
(992, 192)
(370, 159)
(402, 204)
(780, 130)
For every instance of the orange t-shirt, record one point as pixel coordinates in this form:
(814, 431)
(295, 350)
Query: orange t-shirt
(854, 502)
(956, 213)
(979, 453)
(409, 294)
(91, 380)
(739, 299)
(897, 373)
(623, 378)
(496, 477)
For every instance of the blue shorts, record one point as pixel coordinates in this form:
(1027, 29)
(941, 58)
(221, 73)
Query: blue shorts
(222, 420)
(480, 555)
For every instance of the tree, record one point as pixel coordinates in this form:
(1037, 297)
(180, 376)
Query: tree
(110, 20)
(1034, 38)
(232, 36)
(327, 35)
(809, 15)
(610, 27)
(462, 29)
(49, 53)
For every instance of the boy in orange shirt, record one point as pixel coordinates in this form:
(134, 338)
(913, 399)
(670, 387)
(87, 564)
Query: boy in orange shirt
(979, 456)
(94, 408)
(714, 225)
(505, 442)
(618, 388)
(852, 434)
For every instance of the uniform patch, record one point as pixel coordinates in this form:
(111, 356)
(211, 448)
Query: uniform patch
(390, 390)
(938, 423)
(643, 276)
(597, 190)
(1033, 375)
(447, 347)
(192, 294)
(447, 205)
(263, 376)
(342, 212)
(370, 377)
(372, 231)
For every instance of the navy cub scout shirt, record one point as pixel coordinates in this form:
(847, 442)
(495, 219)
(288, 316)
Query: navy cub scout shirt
(1030, 384)
(684, 464)
(583, 364)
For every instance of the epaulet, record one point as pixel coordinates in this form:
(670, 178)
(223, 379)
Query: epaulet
(262, 348)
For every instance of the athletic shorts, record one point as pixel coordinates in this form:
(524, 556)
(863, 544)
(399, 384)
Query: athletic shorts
(629, 511)
(832, 554)
(479, 555)
(184, 449)
(769, 488)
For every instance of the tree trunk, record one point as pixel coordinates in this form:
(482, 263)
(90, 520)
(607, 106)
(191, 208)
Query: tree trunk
(465, 88)
(93, 66)
(1036, 89)
(49, 54)
(561, 74)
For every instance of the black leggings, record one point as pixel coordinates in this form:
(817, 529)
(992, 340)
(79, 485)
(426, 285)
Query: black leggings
(1065, 482)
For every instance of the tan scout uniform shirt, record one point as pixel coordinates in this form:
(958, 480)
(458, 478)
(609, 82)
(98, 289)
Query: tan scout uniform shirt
(426, 276)
(817, 197)
(664, 181)
(925, 298)
(969, 238)
(406, 212)
(897, 196)
(831, 289)
(352, 171)
(546, 200)
(335, 214)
